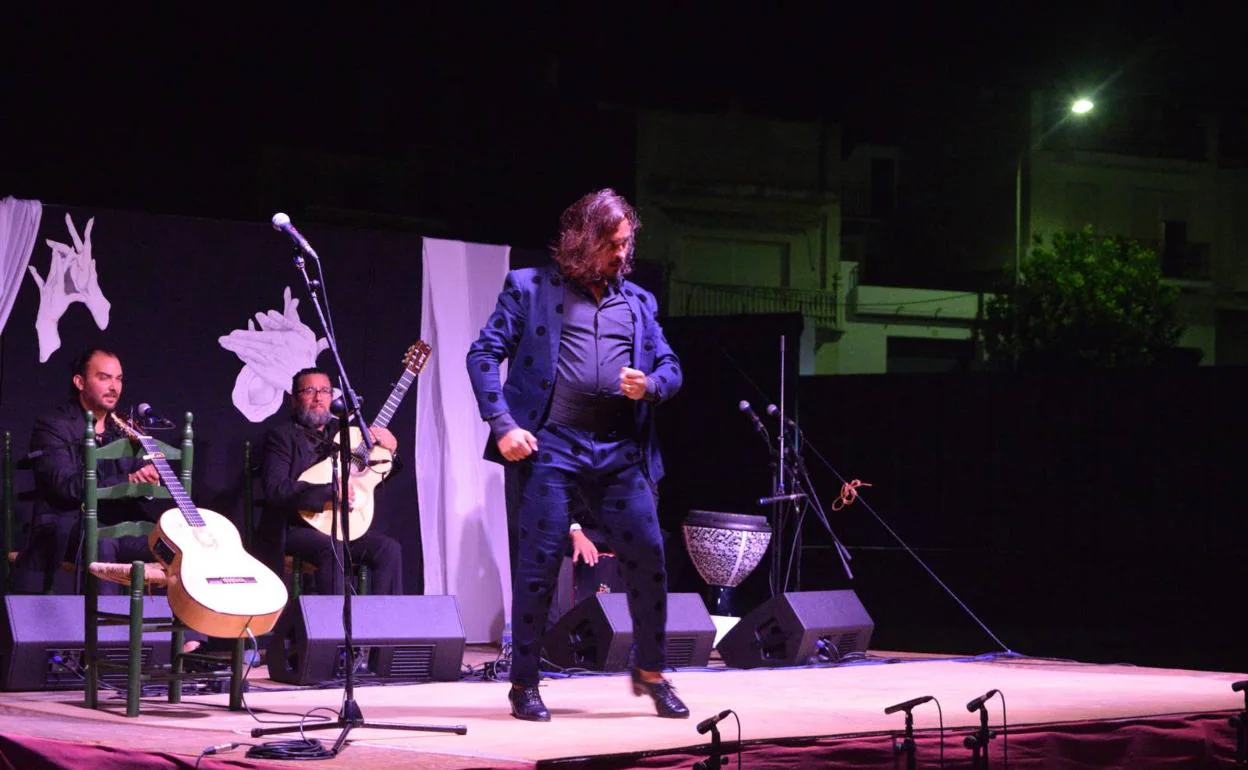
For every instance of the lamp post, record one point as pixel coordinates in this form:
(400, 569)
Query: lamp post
(1079, 107)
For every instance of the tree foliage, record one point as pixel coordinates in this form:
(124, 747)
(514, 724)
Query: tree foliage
(1084, 301)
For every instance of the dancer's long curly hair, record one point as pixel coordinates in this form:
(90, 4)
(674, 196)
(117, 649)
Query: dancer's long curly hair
(586, 226)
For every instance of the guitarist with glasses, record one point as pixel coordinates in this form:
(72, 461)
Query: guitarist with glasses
(290, 449)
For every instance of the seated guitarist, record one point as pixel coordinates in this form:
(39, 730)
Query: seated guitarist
(56, 451)
(289, 450)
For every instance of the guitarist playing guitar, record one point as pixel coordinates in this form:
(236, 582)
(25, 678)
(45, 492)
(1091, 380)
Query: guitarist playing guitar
(290, 450)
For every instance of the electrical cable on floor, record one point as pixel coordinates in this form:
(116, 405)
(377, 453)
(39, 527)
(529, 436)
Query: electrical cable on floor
(293, 750)
(220, 748)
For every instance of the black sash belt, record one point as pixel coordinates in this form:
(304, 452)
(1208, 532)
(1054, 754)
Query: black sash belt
(591, 412)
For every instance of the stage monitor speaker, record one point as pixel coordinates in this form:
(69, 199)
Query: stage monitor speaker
(798, 628)
(597, 634)
(396, 638)
(41, 641)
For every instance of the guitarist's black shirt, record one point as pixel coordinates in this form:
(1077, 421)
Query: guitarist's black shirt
(56, 452)
(289, 450)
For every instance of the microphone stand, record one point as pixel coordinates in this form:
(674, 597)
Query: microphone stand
(977, 742)
(1240, 723)
(715, 758)
(791, 485)
(783, 494)
(349, 715)
(800, 476)
(906, 745)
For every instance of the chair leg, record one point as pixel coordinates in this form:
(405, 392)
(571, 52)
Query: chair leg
(236, 673)
(361, 581)
(134, 666)
(177, 641)
(90, 640)
(296, 577)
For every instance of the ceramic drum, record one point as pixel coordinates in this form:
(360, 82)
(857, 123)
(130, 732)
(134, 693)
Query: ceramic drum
(726, 547)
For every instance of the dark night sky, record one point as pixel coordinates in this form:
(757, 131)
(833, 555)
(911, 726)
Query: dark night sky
(167, 109)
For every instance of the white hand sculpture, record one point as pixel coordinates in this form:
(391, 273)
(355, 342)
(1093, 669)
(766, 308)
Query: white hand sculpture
(71, 278)
(271, 354)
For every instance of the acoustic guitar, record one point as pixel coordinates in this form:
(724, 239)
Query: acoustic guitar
(368, 468)
(215, 586)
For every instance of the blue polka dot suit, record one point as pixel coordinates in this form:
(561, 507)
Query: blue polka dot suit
(614, 473)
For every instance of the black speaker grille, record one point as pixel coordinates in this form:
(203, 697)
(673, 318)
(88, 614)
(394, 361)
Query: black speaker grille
(121, 655)
(680, 651)
(835, 647)
(66, 671)
(413, 662)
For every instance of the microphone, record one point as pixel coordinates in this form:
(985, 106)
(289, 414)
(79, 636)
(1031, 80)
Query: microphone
(748, 410)
(978, 703)
(907, 705)
(709, 722)
(782, 498)
(149, 419)
(282, 222)
(773, 410)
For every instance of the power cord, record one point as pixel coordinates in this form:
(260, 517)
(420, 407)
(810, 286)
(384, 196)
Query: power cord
(220, 748)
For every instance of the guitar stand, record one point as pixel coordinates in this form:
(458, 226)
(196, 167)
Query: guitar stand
(349, 716)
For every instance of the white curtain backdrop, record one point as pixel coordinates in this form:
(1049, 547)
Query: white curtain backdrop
(463, 516)
(19, 223)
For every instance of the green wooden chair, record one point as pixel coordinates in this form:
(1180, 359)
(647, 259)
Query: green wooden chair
(140, 574)
(296, 569)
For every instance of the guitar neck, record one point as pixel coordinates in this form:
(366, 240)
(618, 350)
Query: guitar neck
(386, 414)
(171, 480)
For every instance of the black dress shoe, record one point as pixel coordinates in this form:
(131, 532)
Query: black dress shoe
(664, 694)
(526, 703)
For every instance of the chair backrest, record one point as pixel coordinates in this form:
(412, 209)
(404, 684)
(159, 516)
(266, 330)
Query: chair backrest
(93, 493)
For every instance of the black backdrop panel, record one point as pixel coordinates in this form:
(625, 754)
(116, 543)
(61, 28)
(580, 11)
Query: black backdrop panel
(1067, 510)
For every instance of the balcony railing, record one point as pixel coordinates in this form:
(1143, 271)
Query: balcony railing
(689, 298)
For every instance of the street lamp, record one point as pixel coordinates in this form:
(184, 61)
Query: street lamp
(1079, 107)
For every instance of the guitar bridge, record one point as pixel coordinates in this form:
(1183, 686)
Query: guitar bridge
(229, 581)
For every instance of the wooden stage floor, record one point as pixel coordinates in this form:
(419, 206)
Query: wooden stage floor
(597, 715)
